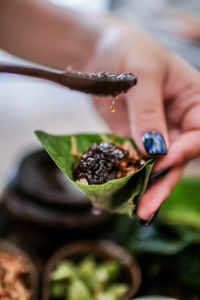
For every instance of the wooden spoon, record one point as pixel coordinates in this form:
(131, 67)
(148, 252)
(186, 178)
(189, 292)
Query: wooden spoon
(101, 83)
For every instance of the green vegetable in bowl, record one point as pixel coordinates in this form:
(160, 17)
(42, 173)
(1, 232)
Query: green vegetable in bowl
(63, 271)
(78, 290)
(88, 279)
(86, 270)
(107, 271)
(58, 290)
(121, 174)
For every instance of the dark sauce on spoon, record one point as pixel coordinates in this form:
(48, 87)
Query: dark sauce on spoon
(101, 83)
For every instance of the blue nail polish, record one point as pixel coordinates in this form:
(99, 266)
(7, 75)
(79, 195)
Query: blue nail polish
(154, 143)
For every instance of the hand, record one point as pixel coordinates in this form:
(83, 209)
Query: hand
(166, 100)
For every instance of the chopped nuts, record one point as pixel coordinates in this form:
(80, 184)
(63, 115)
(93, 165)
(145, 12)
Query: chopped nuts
(82, 181)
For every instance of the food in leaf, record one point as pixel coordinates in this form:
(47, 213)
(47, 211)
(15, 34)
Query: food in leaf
(106, 161)
(118, 189)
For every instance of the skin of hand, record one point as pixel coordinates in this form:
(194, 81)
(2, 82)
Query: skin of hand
(42, 32)
(185, 24)
(166, 99)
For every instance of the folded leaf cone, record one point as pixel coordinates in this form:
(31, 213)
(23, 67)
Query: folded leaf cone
(117, 195)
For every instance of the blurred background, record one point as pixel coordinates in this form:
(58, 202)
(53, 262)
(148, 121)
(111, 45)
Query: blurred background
(171, 246)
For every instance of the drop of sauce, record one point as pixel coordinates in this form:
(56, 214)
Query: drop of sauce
(112, 107)
(69, 68)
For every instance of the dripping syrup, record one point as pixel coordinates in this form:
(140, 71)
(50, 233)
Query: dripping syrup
(112, 107)
(69, 69)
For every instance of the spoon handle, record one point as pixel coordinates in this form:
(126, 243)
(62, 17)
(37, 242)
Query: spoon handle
(62, 77)
(30, 71)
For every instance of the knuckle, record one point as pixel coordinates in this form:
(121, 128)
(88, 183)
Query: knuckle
(185, 156)
(145, 69)
(150, 114)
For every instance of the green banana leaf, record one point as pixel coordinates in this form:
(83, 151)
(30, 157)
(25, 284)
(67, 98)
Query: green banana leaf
(157, 239)
(115, 196)
(182, 207)
(172, 242)
(186, 266)
(176, 227)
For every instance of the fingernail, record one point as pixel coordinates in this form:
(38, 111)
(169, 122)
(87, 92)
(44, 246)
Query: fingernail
(158, 175)
(149, 221)
(154, 143)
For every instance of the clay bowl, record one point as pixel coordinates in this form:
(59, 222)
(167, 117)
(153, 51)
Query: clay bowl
(40, 199)
(32, 277)
(24, 209)
(38, 176)
(40, 193)
(100, 249)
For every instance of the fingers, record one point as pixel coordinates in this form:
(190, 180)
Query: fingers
(147, 117)
(157, 193)
(191, 120)
(184, 148)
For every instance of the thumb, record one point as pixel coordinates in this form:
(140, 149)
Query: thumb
(114, 121)
(186, 147)
(147, 117)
